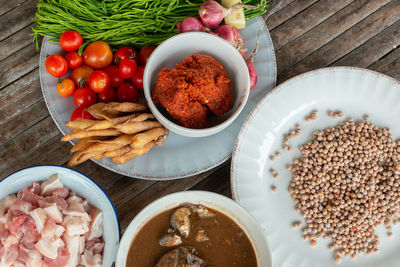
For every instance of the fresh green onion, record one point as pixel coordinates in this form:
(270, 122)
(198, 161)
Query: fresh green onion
(120, 22)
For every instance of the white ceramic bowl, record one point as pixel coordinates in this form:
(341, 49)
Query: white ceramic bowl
(84, 187)
(181, 46)
(212, 200)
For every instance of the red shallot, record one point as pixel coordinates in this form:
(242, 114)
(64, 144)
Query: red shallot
(250, 63)
(231, 35)
(190, 24)
(212, 13)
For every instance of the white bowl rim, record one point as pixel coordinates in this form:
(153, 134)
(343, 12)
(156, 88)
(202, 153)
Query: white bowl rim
(191, 132)
(79, 173)
(122, 255)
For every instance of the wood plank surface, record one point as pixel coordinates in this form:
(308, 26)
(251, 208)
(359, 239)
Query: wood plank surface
(307, 34)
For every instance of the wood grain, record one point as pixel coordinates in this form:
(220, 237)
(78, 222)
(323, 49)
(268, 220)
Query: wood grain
(17, 18)
(16, 66)
(287, 13)
(275, 6)
(346, 42)
(7, 5)
(307, 34)
(371, 51)
(15, 42)
(325, 32)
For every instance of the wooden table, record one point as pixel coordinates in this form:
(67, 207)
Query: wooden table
(307, 34)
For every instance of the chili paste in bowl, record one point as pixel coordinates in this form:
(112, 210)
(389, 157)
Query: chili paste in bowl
(196, 84)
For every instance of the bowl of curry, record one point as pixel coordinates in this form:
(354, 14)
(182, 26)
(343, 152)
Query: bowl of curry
(193, 228)
(196, 84)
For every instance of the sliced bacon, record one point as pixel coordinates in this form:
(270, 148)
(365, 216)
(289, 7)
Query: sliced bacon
(53, 183)
(30, 194)
(95, 245)
(61, 203)
(23, 255)
(10, 255)
(49, 229)
(30, 233)
(72, 244)
(19, 207)
(14, 225)
(60, 261)
(6, 203)
(61, 192)
(47, 225)
(35, 259)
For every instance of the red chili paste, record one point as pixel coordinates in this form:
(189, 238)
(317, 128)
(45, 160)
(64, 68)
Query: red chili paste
(194, 89)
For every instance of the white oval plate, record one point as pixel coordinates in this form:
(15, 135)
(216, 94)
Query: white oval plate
(180, 156)
(352, 90)
(212, 200)
(84, 187)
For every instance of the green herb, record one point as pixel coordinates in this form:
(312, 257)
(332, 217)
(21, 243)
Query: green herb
(120, 22)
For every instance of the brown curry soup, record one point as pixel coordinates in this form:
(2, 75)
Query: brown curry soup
(228, 244)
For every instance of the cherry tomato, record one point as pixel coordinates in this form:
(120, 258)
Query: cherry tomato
(84, 97)
(81, 113)
(107, 96)
(97, 55)
(127, 92)
(145, 53)
(80, 76)
(115, 77)
(66, 87)
(99, 81)
(124, 52)
(56, 65)
(74, 60)
(127, 68)
(71, 40)
(137, 78)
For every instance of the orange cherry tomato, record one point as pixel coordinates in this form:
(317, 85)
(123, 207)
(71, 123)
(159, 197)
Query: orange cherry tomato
(80, 76)
(66, 87)
(98, 55)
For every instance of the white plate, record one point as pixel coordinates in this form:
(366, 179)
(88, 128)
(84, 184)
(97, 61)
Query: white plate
(84, 187)
(352, 90)
(180, 156)
(212, 200)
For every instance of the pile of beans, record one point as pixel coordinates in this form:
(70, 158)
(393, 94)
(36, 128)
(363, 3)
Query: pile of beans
(346, 183)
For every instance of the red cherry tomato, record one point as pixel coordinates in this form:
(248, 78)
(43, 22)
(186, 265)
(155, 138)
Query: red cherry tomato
(127, 92)
(107, 96)
(124, 52)
(80, 76)
(84, 97)
(81, 113)
(56, 65)
(99, 81)
(71, 40)
(127, 68)
(145, 53)
(115, 77)
(137, 78)
(74, 60)
(66, 87)
(98, 55)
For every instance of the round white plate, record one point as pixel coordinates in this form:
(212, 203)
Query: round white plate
(180, 156)
(352, 90)
(83, 187)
